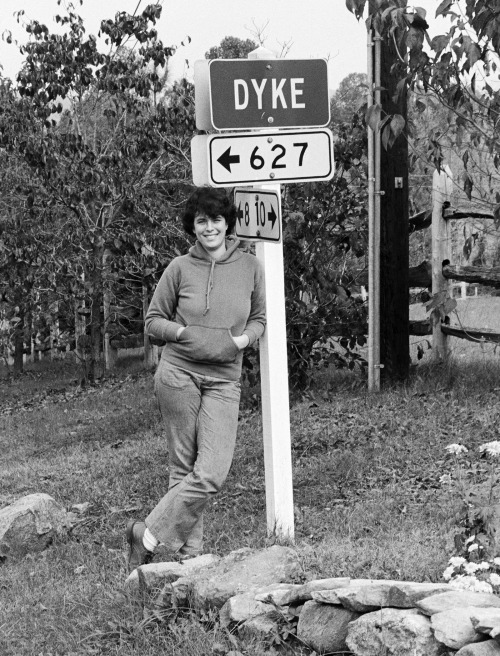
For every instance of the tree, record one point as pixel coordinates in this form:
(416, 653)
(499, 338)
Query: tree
(88, 124)
(231, 47)
(348, 98)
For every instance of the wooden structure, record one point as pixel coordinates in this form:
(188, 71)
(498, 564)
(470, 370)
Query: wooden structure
(443, 271)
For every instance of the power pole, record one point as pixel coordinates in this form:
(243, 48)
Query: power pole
(394, 216)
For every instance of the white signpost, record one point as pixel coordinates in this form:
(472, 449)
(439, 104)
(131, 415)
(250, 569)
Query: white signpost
(287, 94)
(225, 160)
(258, 214)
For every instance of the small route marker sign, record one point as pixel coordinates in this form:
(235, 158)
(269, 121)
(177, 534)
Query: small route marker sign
(258, 214)
(227, 160)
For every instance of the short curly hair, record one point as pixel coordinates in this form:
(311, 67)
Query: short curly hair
(212, 202)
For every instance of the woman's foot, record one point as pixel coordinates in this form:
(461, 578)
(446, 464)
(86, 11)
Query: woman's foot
(137, 553)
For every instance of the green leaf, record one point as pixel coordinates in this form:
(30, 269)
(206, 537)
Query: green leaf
(372, 116)
(468, 185)
(397, 125)
(444, 7)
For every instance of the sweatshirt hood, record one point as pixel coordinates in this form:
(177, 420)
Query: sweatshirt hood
(231, 255)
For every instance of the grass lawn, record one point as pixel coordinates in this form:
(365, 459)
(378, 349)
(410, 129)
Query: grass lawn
(367, 491)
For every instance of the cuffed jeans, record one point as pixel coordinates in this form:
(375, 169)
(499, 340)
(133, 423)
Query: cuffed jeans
(200, 416)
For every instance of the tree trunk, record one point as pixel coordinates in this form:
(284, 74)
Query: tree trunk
(110, 353)
(18, 339)
(150, 350)
(95, 276)
(54, 329)
(394, 217)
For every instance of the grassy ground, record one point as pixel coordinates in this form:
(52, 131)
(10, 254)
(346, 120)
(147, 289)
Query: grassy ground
(366, 489)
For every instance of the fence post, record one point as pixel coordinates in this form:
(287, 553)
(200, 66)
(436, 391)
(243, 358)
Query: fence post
(441, 250)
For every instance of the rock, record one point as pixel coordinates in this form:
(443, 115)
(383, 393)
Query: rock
(278, 594)
(364, 596)
(245, 606)
(30, 524)
(81, 508)
(454, 628)
(324, 627)
(457, 599)
(486, 620)
(157, 575)
(304, 592)
(244, 570)
(331, 597)
(392, 632)
(259, 628)
(487, 648)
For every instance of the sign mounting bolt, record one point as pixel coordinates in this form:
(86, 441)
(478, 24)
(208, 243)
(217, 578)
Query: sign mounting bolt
(269, 140)
(256, 198)
(271, 175)
(270, 119)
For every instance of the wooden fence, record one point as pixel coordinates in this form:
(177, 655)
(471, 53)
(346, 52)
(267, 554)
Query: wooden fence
(441, 275)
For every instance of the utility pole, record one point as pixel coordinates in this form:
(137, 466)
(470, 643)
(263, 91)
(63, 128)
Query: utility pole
(394, 215)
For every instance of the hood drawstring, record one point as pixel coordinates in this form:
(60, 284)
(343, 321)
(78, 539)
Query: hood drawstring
(209, 287)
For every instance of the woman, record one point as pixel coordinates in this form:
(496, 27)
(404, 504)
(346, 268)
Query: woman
(208, 306)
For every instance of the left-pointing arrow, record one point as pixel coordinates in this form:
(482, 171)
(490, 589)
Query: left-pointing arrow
(226, 159)
(239, 214)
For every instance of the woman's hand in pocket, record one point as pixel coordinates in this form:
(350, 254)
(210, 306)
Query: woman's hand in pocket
(241, 341)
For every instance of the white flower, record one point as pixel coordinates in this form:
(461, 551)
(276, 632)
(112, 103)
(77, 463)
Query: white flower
(470, 583)
(473, 547)
(496, 561)
(494, 579)
(471, 568)
(448, 573)
(456, 449)
(445, 479)
(484, 565)
(470, 539)
(491, 448)
(456, 561)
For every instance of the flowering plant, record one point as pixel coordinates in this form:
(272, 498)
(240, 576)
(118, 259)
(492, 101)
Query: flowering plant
(476, 567)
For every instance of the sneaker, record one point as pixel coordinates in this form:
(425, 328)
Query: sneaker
(137, 553)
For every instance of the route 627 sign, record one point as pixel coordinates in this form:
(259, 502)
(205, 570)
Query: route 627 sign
(226, 160)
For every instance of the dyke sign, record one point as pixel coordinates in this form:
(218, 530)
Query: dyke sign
(240, 94)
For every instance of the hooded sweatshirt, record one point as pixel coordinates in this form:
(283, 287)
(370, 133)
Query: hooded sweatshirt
(215, 300)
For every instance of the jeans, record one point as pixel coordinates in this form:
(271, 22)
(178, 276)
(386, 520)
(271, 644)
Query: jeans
(200, 416)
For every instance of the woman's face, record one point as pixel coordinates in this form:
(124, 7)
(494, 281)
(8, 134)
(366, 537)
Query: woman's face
(210, 231)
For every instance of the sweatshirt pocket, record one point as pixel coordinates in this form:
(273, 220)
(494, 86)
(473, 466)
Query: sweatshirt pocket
(204, 344)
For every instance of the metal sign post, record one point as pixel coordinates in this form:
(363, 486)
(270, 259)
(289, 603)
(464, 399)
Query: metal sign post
(274, 384)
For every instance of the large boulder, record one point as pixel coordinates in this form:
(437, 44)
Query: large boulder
(244, 570)
(454, 627)
(154, 576)
(392, 632)
(487, 648)
(486, 620)
(30, 524)
(305, 591)
(324, 627)
(457, 599)
(368, 596)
